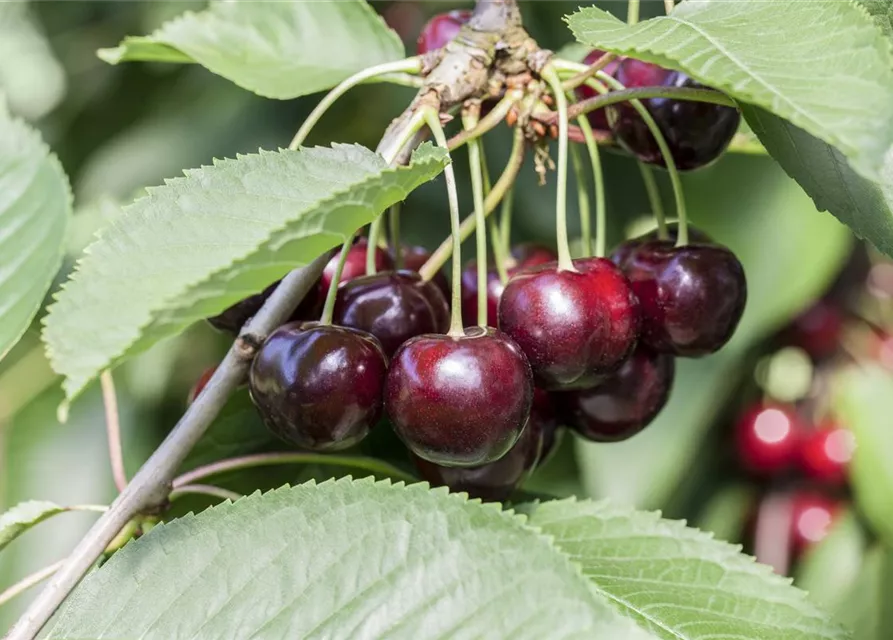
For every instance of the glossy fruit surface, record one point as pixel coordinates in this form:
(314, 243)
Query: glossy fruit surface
(826, 453)
(414, 257)
(691, 298)
(355, 265)
(817, 330)
(459, 401)
(599, 118)
(232, 319)
(522, 256)
(626, 402)
(440, 29)
(575, 327)
(319, 387)
(697, 133)
(812, 515)
(394, 306)
(623, 252)
(768, 438)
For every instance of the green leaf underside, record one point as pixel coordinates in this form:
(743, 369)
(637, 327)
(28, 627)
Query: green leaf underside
(782, 56)
(23, 516)
(679, 582)
(864, 206)
(191, 248)
(344, 559)
(882, 12)
(276, 49)
(35, 205)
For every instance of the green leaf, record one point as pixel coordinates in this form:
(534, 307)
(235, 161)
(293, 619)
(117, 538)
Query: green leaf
(342, 559)
(276, 49)
(200, 243)
(791, 71)
(678, 582)
(882, 12)
(863, 400)
(867, 609)
(864, 206)
(23, 516)
(35, 205)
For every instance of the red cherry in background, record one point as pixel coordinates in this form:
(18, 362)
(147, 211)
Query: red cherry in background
(768, 438)
(440, 29)
(817, 330)
(813, 515)
(354, 266)
(414, 257)
(826, 453)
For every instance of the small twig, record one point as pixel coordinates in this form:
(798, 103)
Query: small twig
(205, 490)
(29, 581)
(485, 124)
(113, 429)
(583, 76)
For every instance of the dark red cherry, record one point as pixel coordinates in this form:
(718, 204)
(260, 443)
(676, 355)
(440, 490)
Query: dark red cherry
(691, 298)
(232, 319)
(826, 453)
(414, 257)
(319, 386)
(598, 119)
(626, 402)
(576, 327)
(394, 306)
(812, 515)
(522, 256)
(767, 439)
(817, 330)
(200, 384)
(459, 401)
(440, 29)
(697, 133)
(355, 265)
(625, 250)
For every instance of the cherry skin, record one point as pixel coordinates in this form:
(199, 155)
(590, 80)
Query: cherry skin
(319, 386)
(414, 257)
(626, 402)
(355, 265)
(522, 256)
(598, 118)
(812, 515)
(691, 298)
(767, 439)
(697, 133)
(624, 251)
(817, 330)
(440, 29)
(459, 401)
(826, 453)
(576, 327)
(394, 306)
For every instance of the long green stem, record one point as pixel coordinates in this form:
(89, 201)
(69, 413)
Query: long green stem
(204, 490)
(409, 65)
(329, 306)
(29, 581)
(372, 246)
(496, 115)
(493, 232)
(654, 200)
(477, 189)
(564, 253)
(601, 214)
(690, 94)
(505, 219)
(632, 13)
(394, 224)
(583, 201)
(456, 327)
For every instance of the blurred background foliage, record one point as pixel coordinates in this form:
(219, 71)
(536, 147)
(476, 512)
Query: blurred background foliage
(119, 129)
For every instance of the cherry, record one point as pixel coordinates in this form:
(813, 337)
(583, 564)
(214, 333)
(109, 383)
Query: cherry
(826, 452)
(232, 319)
(626, 402)
(691, 298)
(768, 438)
(319, 386)
(574, 326)
(696, 132)
(817, 330)
(522, 256)
(624, 251)
(355, 265)
(414, 257)
(394, 306)
(811, 519)
(200, 384)
(440, 29)
(459, 400)
(598, 118)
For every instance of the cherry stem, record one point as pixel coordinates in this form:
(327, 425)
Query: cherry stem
(582, 202)
(496, 115)
(500, 252)
(574, 82)
(691, 94)
(500, 189)
(601, 214)
(632, 12)
(669, 5)
(287, 457)
(655, 201)
(113, 429)
(505, 219)
(469, 120)
(564, 253)
(432, 118)
(205, 490)
(394, 231)
(29, 581)
(372, 246)
(328, 308)
(378, 72)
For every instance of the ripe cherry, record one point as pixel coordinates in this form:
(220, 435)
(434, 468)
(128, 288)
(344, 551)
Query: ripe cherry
(414, 257)
(626, 402)
(768, 438)
(817, 330)
(232, 319)
(691, 298)
(826, 453)
(394, 306)
(598, 118)
(575, 327)
(522, 256)
(355, 265)
(459, 400)
(200, 384)
(812, 516)
(440, 29)
(319, 386)
(696, 132)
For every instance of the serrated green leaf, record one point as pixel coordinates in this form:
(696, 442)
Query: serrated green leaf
(276, 49)
(775, 55)
(23, 516)
(882, 12)
(864, 206)
(678, 582)
(345, 559)
(863, 401)
(200, 243)
(35, 206)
